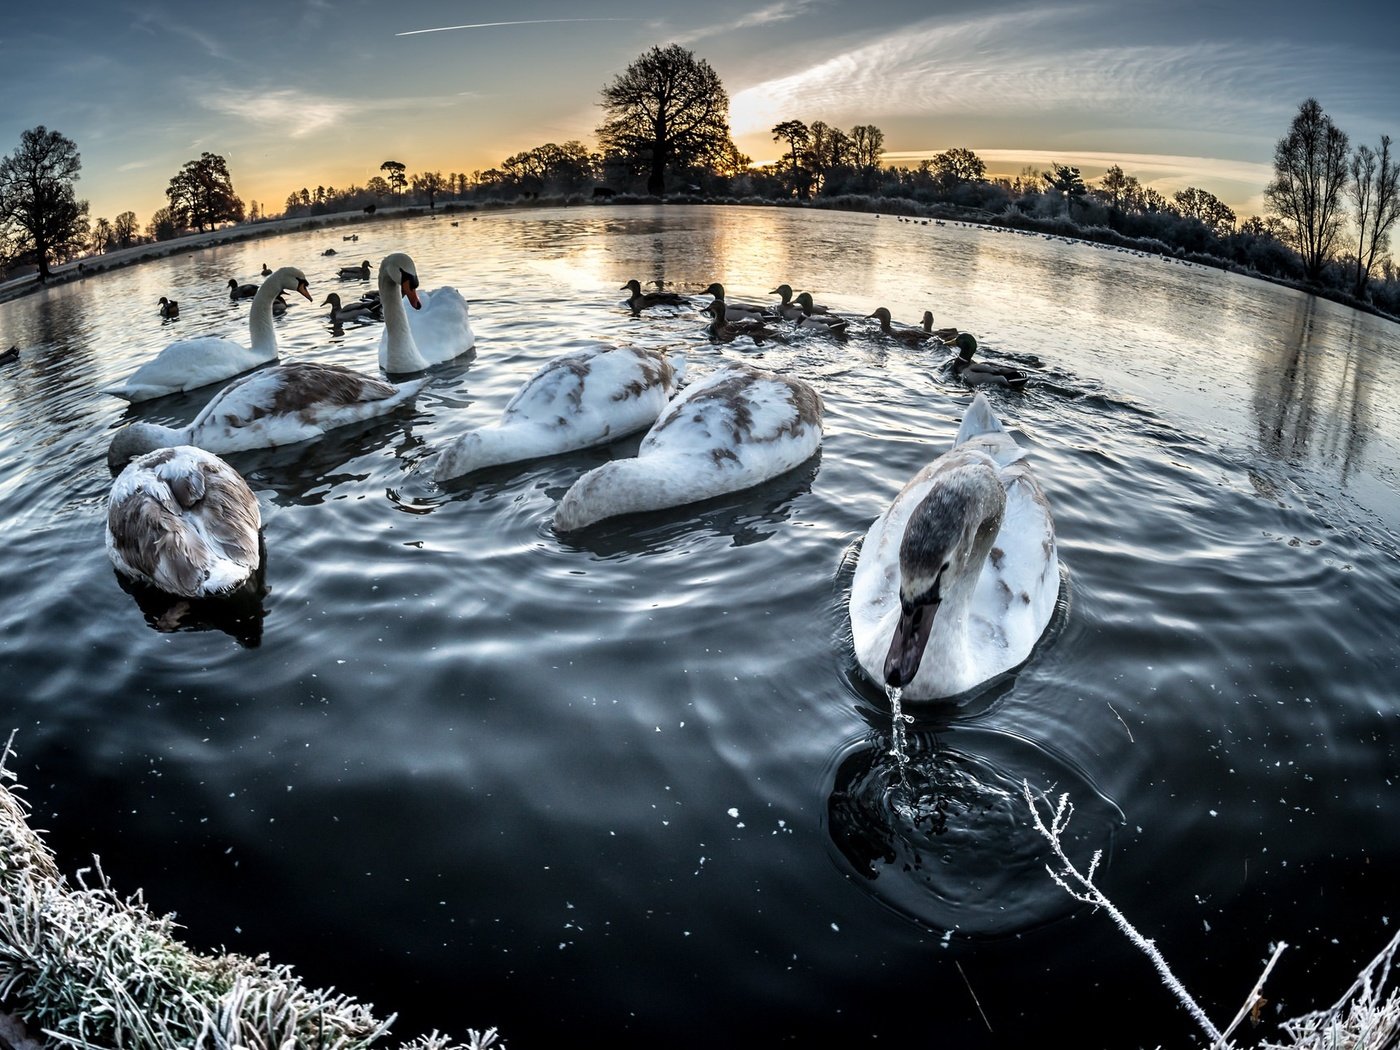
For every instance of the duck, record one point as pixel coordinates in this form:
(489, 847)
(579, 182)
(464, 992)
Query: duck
(190, 363)
(983, 373)
(182, 520)
(737, 311)
(364, 310)
(278, 405)
(736, 428)
(723, 329)
(241, 291)
(279, 305)
(265, 271)
(957, 580)
(576, 400)
(360, 272)
(911, 336)
(169, 307)
(789, 310)
(438, 330)
(640, 300)
(828, 322)
(946, 334)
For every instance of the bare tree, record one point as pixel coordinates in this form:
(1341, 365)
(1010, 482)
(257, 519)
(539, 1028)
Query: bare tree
(667, 110)
(36, 197)
(1374, 187)
(1207, 208)
(1310, 169)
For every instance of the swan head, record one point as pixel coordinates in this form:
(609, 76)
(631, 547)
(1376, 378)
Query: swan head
(290, 279)
(399, 276)
(136, 439)
(966, 343)
(946, 540)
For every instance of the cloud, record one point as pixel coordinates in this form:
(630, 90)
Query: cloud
(494, 25)
(783, 11)
(299, 114)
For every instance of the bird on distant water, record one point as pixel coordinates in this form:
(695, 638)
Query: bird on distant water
(241, 291)
(265, 271)
(983, 373)
(640, 300)
(360, 272)
(364, 310)
(169, 307)
(946, 334)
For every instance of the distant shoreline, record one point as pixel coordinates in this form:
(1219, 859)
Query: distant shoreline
(90, 266)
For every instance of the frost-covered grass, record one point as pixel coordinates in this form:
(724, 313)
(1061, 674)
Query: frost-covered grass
(1366, 1017)
(90, 969)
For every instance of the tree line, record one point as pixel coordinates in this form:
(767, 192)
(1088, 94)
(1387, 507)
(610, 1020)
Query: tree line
(1331, 208)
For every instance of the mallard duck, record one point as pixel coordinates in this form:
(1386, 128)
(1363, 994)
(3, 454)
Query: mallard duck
(640, 300)
(265, 271)
(241, 291)
(169, 307)
(789, 310)
(828, 322)
(737, 311)
(905, 334)
(573, 401)
(438, 330)
(723, 329)
(983, 373)
(957, 580)
(358, 273)
(734, 429)
(277, 405)
(946, 334)
(359, 311)
(182, 520)
(190, 363)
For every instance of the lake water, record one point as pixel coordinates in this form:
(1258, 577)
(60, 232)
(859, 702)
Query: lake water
(630, 785)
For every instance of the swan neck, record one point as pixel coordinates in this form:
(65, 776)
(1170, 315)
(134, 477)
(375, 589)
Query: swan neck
(401, 351)
(261, 333)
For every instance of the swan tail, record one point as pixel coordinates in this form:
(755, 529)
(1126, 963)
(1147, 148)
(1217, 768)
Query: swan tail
(981, 429)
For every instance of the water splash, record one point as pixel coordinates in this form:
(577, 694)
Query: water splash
(898, 742)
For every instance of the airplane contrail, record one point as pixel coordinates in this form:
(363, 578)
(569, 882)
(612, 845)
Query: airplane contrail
(529, 22)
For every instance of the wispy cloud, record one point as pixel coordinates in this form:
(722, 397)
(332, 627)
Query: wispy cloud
(300, 114)
(783, 11)
(524, 22)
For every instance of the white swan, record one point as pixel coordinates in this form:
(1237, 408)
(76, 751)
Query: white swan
(736, 428)
(278, 405)
(957, 580)
(184, 521)
(191, 363)
(438, 330)
(573, 401)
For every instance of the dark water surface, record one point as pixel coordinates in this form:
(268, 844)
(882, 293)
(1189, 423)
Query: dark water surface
(630, 785)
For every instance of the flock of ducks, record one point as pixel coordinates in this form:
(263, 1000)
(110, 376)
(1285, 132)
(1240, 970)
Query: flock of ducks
(955, 581)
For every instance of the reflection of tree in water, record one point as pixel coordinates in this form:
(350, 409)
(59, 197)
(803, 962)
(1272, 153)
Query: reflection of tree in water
(1306, 410)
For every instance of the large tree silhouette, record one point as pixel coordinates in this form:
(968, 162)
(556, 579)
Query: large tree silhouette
(667, 110)
(38, 209)
(1310, 169)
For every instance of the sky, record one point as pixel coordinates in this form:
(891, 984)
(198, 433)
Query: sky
(313, 92)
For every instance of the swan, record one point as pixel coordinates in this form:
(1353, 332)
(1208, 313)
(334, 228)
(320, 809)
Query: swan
(184, 521)
(360, 272)
(958, 578)
(364, 310)
(169, 307)
(438, 330)
(912, 336)
(278, 405)
(640, 300)
(946, 334)
(573, 401)
(983, 373)
(734, 429)
(190, 363)
(241, 291)
(738, 311)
